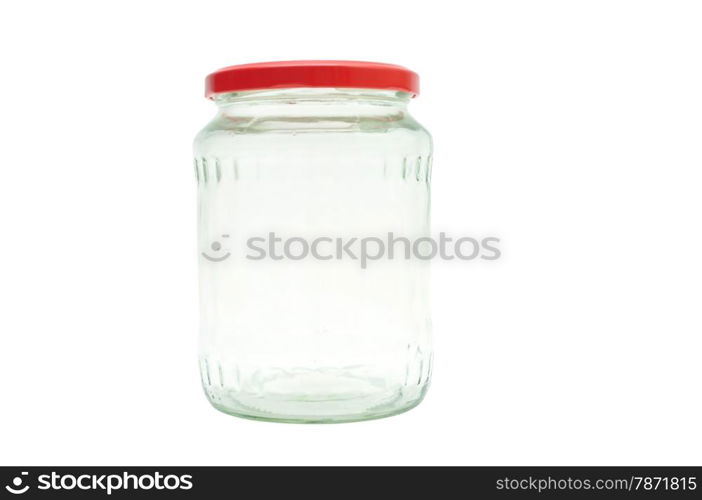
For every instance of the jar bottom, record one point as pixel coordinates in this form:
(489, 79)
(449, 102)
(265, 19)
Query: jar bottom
(316, 396)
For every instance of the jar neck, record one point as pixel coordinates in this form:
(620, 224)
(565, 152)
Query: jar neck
(313, 101)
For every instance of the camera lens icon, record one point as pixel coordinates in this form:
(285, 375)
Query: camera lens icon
(220, 254)
(16, 488)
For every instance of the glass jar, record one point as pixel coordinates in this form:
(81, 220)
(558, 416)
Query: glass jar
(303, 164)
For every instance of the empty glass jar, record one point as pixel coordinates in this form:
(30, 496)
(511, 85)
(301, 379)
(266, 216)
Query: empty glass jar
(305, 169)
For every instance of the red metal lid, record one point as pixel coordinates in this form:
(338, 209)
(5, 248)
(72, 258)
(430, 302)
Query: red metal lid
(290, 74)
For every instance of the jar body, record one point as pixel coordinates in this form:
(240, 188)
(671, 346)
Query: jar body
(316, 335)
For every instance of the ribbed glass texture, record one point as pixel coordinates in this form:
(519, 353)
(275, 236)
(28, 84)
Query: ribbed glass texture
(312, 339)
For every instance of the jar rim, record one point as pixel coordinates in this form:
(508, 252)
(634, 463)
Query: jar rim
(299, 74)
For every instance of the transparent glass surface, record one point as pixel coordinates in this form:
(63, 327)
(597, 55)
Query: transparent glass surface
(312, 340)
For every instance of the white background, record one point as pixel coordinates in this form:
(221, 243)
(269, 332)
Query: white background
(571, 129)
